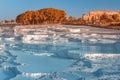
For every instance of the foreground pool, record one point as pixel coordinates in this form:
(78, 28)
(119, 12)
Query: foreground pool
(59, 53)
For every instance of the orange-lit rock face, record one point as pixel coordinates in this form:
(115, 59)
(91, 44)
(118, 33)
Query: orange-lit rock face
(96, 15)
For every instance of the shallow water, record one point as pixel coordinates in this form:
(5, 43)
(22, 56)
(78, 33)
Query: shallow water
(59, 53)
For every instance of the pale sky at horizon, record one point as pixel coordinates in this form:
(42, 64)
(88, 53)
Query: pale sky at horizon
(9, 9)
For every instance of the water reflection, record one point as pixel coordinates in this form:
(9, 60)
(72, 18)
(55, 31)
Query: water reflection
(59, 53)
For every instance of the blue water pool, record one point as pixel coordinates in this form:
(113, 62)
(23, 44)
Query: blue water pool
(59, 53)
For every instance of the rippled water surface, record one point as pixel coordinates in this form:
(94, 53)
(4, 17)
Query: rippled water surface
(59, 53)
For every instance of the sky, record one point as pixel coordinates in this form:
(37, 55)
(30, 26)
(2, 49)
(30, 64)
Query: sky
(9, 9)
